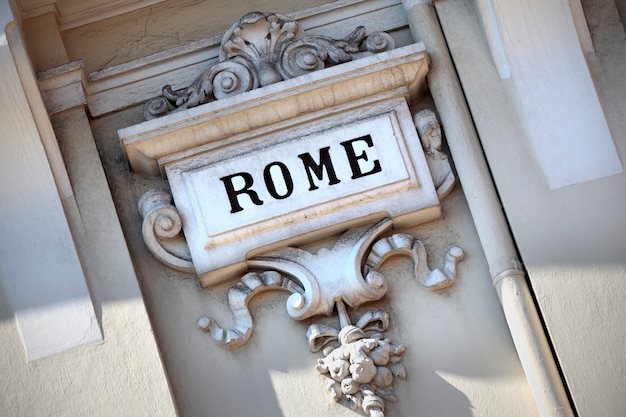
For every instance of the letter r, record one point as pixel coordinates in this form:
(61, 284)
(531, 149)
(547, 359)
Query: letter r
(233, 195)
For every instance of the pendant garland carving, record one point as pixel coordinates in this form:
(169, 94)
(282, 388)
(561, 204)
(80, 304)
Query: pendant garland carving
(363, 369)
(262, 49)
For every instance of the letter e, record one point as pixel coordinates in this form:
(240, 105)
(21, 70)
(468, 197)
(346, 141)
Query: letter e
(354, 159)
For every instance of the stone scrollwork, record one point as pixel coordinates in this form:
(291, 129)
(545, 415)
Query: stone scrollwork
(402, 244)
(238, 298)
(162, 230)
(316, 281)
(262, 49)
(360, 361)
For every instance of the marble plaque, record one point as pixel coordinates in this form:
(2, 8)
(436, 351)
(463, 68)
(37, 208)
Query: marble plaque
(285, 186)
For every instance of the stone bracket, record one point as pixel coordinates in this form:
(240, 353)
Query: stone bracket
(361, 364)
(317, 280)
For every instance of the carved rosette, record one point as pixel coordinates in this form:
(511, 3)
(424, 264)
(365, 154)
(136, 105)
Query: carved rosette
(262, 49)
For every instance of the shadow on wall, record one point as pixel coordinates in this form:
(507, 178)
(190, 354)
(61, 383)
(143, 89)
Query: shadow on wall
(6, 307)
(274, 374)
(446, 400)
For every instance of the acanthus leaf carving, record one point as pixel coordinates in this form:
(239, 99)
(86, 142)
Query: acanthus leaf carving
(262, 49)
(312, 53)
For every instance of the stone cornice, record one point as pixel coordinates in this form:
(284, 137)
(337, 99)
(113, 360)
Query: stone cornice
(69, 19)
(400, 71)
(62, 87)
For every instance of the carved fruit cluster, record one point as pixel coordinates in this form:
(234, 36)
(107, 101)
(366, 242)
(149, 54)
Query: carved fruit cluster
(362, 369)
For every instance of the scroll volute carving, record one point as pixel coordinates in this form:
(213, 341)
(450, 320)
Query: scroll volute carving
(162, 230)
(360, 362)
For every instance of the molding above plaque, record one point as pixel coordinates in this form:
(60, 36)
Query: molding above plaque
(286, 163)
(400, 72)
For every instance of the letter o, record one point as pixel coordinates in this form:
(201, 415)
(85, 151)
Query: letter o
(268, 176)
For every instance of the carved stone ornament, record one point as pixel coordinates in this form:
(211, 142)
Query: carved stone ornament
(162, 231)
(162, 224)
(262, 49)
(360, 362)
(289, 148)
(429, 130)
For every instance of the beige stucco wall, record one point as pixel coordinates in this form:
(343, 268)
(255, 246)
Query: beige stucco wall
(571, 240)
(121, 373)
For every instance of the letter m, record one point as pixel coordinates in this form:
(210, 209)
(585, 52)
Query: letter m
(314, 168)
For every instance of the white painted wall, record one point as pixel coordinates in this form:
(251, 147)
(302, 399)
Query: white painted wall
(40, 263)
(558, 101)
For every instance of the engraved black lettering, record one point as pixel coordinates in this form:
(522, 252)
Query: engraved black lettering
(313, 168)
(233, 194)
(271, 185)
